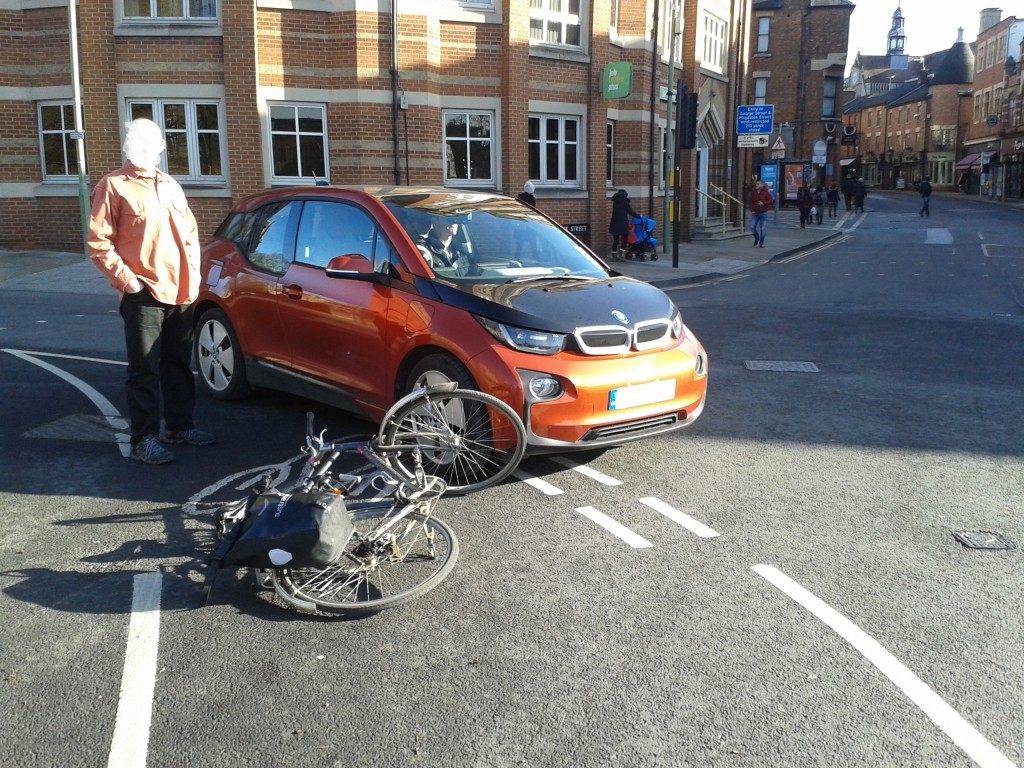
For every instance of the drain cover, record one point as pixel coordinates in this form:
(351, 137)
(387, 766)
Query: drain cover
(982, 540)
(780, 365)
(79, 426)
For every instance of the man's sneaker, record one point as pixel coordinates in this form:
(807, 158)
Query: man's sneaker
(191, 436)
(149, 451)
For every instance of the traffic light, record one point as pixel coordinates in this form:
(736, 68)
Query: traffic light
(686, 119)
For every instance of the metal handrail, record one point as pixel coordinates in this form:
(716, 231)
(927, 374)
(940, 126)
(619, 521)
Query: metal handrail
(722, 203)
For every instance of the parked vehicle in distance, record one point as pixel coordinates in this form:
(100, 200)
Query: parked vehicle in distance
(357, 296)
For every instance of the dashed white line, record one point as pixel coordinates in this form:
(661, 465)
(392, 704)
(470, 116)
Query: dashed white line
(615, 528)
(534, 482)
(583, 469)
(130, 743)
(681, 518)
(948, 719)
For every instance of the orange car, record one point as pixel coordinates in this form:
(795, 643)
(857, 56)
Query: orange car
(355, 297)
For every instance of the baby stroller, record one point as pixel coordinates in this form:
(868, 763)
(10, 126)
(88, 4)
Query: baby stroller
(642, 245)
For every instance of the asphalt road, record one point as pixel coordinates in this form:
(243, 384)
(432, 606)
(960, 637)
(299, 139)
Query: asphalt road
(782, 587)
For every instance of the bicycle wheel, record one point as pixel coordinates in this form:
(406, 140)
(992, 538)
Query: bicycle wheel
(467, 438)
(381, 568)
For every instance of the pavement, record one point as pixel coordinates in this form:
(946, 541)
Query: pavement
(698, 261)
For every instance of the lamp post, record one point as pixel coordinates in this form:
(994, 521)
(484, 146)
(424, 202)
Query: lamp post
(79, 134)
(670, 145)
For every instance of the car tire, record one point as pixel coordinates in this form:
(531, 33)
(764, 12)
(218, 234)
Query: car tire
(219, 357)
(438, 369)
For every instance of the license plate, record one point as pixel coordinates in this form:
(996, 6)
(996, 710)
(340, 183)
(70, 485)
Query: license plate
(641, 394)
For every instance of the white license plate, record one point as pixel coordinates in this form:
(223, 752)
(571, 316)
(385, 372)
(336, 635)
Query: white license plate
(641, 394)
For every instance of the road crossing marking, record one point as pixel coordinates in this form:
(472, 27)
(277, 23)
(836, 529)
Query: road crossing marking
(535, 482)
(583, 469)
(681, 518)
(614, 527)
(948, 719)
(130, 743)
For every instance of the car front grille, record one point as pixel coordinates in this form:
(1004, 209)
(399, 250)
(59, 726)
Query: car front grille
(617, 339)
(631, 428)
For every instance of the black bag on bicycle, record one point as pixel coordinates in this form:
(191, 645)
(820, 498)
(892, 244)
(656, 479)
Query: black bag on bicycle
(291, 530)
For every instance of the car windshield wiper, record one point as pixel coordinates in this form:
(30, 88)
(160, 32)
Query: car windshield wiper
(529, 278)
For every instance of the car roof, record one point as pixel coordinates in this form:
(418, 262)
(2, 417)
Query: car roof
(415, 196)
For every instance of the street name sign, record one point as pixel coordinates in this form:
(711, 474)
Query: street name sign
(755, 118)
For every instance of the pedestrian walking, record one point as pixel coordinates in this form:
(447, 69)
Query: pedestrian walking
(859, 193)
(833, 200)
(804, 202)
(620, 224)
(926, 196)
(760, 202)
(144, 238)
(526, 196)
(848, 187)
(819, 203)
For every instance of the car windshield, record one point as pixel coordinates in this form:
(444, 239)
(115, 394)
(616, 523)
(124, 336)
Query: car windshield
(470, 239)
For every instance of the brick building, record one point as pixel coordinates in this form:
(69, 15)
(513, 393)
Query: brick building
(910, 121)
(797, 62)
(994, 148)
(481, 94)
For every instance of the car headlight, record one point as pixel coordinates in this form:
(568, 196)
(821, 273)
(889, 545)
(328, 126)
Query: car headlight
(524, 339)
(676, 322)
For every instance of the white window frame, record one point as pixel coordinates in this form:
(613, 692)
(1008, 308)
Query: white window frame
(832, 97)
(764, 27)
(716, 43)
(191, 132)
(297, 133)
(557, 21)
(546, 177)
(70, 166)
(185, 16)
(666, 30)
(760, 90)
(490, 140)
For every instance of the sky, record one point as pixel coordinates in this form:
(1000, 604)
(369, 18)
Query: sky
(930, 25)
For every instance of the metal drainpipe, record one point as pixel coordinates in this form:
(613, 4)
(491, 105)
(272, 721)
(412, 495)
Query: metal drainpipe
(653, 164)
(394, 92)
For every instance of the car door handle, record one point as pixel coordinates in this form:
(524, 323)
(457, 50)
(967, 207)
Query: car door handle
(292, 291)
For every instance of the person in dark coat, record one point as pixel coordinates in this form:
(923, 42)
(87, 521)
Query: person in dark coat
(848, 192)
(804, 203)
(819, 203)
(833, 200)
(619, 227)
(859, 193)
(526, 196)
(926, 196)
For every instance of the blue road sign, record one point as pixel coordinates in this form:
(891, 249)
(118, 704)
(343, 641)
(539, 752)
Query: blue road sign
(755, 118)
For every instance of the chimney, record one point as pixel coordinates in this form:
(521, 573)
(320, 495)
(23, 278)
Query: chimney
(989, 18)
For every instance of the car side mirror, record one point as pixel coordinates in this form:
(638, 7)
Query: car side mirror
(352, 267)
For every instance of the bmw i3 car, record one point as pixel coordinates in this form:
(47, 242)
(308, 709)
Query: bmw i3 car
(356, 296)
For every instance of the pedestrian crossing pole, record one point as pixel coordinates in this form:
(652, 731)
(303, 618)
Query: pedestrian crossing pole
(78, 136)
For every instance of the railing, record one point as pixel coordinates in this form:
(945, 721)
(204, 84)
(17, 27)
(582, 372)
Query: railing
(721, 199)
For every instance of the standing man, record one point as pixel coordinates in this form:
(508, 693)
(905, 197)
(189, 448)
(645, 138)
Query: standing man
(760, 203)
(144, 238)
(926, 196)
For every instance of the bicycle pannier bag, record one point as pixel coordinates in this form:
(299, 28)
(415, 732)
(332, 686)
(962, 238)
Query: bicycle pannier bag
(300, 530)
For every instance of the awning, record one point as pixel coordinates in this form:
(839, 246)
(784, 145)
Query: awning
(970, 160)
(848, 160)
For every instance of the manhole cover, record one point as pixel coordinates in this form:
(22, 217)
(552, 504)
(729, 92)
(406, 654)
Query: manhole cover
(982, 540)
(79, 426)
(780, 365)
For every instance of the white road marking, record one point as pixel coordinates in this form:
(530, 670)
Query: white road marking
(615, 528)
(681, 518)
(534, 482)
(583, 469)
(938, 236)
(948, 719)
(278, 472)
(104, 406)
(130, 744)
